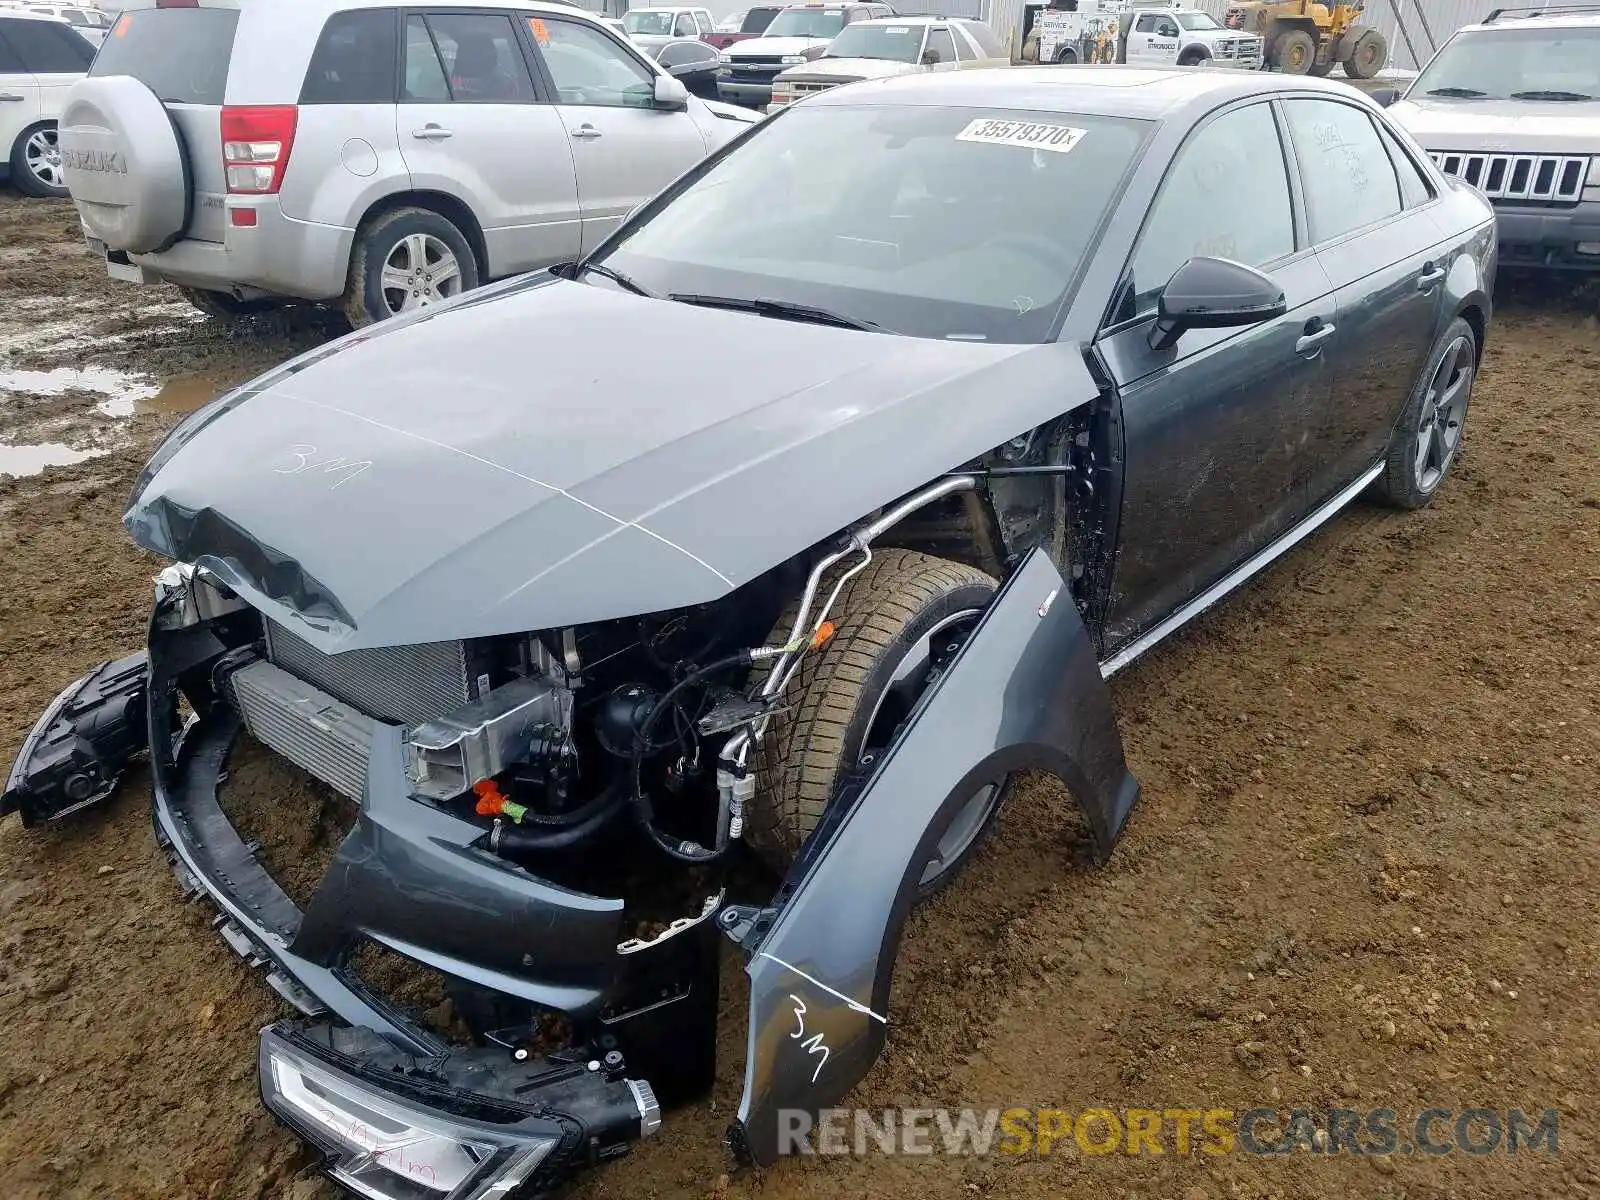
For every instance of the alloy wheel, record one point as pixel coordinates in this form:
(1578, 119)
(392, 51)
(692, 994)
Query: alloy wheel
(42, 154)
(1444, 411)
(420, 270)
(922, 664)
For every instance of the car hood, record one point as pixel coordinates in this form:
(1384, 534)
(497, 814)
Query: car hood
(763, 47)
(1499, 125)
(497, 465)
(848, 70)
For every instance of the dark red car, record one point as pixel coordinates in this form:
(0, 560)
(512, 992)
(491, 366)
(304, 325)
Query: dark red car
(752, 22)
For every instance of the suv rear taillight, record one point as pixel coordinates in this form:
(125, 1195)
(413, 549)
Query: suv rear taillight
(256, 141)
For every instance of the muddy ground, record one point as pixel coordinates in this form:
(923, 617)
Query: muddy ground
(1364, 872)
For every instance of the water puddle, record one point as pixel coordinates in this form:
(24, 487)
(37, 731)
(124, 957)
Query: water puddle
(18, 461)
(123, 393)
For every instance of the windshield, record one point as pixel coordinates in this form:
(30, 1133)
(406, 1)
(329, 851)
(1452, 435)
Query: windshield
(1198, 20)
(806, 23)
(897, 42)
(1515, 64)
(648, 21)
(967, 224)
(731, 22)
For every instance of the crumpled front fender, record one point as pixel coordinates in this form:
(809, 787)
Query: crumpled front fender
(1024, 693)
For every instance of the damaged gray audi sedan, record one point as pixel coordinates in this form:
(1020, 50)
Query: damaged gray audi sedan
(1016, 371)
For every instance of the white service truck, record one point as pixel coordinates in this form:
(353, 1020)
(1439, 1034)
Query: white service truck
(1144, 32)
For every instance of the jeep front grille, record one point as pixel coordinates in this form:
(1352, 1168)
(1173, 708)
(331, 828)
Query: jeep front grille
(1531, 178)
(402, 684)
(810, 87)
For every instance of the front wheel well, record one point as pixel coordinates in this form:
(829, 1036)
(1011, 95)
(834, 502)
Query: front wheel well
(448, 207)
(1473, 315)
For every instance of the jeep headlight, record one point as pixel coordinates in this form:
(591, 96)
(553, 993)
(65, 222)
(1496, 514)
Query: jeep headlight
(782, 92)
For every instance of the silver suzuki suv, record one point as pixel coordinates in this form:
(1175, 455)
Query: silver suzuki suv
(377, 156)
(1512, 106)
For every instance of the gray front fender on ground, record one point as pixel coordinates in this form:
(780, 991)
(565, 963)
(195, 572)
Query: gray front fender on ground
(1024, 693)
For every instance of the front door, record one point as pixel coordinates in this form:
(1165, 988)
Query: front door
(625, 148)
(1382, 251)
(1218, 430)
(469, 125)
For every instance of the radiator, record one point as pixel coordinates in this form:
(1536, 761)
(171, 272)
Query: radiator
(402, 684)
(1539, 178)
(313, 730)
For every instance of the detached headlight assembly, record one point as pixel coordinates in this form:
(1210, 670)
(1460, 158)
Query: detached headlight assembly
(380, 1147)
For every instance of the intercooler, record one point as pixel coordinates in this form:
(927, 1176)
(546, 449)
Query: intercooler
(320, 710)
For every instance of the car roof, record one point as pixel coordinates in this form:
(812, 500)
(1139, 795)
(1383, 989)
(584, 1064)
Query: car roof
(668, 8)
(22, 14)
(908, 19)
(1552, 19)
(302, 9)
(1150, 93)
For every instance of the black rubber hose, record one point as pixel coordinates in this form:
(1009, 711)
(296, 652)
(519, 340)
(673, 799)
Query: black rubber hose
(515, 841)
(643, 810)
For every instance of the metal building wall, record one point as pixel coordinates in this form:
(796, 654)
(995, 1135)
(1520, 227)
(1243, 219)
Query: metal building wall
(1416, 28)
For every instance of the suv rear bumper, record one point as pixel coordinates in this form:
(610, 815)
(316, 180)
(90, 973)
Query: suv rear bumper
(1564, 239)
(277, 256)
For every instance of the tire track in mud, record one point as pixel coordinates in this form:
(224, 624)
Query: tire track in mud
(1367, 821)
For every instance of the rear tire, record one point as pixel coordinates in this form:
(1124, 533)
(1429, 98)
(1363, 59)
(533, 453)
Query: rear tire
(226, 307)
(1295, 52)
(1369, 54)
(405, 259)
(846, 701)
(36, 161)
(1427, 439)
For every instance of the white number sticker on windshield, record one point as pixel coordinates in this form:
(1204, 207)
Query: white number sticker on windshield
(1026, 135)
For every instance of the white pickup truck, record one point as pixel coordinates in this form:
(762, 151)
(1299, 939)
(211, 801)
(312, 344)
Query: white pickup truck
(1162, 33)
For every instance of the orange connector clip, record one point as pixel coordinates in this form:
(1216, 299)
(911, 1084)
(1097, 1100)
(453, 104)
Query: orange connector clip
(491, 801)
(821, 637)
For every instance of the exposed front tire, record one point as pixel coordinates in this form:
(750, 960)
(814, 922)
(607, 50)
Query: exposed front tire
(36, 161)
(224, 306)
(897, 623)
(1427, 438)
(1192, 57)
(406, 259)
(1294, 52)
(1066, 56)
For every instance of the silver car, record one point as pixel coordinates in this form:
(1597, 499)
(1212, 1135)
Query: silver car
(375, 156)
(1512, 106)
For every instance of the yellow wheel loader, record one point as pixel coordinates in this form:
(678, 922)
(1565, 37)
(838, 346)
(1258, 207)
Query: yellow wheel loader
(1306, 37)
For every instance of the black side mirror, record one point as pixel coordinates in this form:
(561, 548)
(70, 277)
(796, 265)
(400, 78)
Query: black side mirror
(1214, 293)
(1384, 96)
(930, 58)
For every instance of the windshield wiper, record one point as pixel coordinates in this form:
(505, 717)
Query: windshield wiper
(618, 277)
(1550, 95)
(785, 309)
(1458, 93)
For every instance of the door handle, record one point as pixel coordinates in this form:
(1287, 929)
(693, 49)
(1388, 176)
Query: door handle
(4, 96)
(432, 133)
(586, 132)
(1317, 332)
(1430, 276)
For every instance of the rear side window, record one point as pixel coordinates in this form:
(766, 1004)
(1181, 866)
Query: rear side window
(482, 58)
(985, 37)
(757, 19)
(940, 43)
(47, 48)
(10, 60)
(1350, 181)
(354, 59)
(180, 54)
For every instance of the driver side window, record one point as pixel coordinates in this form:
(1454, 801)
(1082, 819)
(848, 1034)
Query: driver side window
(587, 67)
(1226, 195)
(1147, 24)
(939, 43)
(684, 26)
